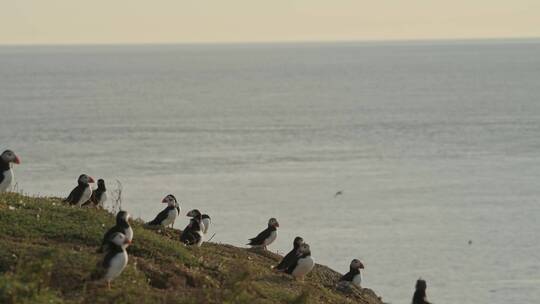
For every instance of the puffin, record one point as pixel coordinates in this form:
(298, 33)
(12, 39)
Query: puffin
(267, 236)
(122, 226)
(193, 233)
(116, 258)
(169, 214)
(206, 222)
(82, 193)
(99, 196)
(353, 276)
(205, 219)
(291, 257)
(6, 173)
(303, 265)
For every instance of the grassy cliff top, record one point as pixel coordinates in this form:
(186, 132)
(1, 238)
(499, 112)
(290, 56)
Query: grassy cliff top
(48, 253)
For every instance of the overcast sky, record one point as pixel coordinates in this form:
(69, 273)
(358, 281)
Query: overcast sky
(185, 21)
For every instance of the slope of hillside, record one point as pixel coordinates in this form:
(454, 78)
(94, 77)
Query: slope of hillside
(48, 253)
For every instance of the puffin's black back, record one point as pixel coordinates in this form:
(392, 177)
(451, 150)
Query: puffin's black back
(161, 216)
(288, 260)
(190, 235)
(292, 266)
(96, 194)
(259, 239)
(349, 276)
(76, 194)
(295, 263)
(113, 250)
(291, 256)
(4, 166)
(121, 226)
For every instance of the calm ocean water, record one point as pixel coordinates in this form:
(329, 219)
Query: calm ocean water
(433, 145)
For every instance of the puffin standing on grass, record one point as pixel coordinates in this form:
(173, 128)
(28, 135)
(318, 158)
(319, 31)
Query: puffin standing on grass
(291, 257)
(99, 196)
(353, 276)
(304, 264)
(169, 214)
(193, 233)
(267, 236)
(122, 226)
(82, 193)
(6, 173)
(116, 258)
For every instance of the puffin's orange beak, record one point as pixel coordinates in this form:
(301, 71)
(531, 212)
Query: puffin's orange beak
(128, 242)
(17, 160)
(90, 179)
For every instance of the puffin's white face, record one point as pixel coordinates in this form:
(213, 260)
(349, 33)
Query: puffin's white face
(85, 179)
(273, 223)
(120, 239)
(304, 248)
(356, 264)
(9, 157)
(169, 200)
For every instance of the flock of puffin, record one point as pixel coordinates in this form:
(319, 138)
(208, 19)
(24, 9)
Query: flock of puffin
(298, 262)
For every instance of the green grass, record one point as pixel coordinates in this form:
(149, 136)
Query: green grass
(48, 255)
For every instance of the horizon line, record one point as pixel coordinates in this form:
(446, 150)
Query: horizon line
(277, 42)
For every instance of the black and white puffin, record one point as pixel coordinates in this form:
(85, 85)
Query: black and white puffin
(205, 219)
(169, 214)
(353, 276)
(116, 258)
(99, 196)
(267, 236)
(193, 233)
(206, 222)
(291, 257)
(303, 265)
(6, 173)
(82, 193)
(122, 226)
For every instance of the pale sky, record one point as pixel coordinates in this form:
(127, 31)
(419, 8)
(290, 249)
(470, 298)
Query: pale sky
(186, 21)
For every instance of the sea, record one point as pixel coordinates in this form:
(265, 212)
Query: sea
(434, 145)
